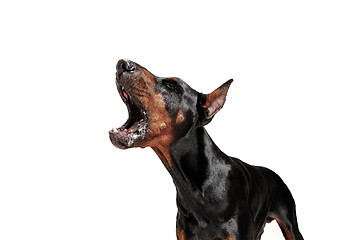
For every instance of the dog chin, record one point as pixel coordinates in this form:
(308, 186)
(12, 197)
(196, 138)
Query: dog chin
(118, 144)
(124, 138)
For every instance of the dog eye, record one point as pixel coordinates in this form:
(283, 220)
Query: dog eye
(173, 86)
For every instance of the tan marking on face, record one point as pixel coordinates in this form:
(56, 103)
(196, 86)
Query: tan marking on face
(160, 133)
(180, 117)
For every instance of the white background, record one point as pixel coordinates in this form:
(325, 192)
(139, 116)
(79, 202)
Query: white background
(293, 107)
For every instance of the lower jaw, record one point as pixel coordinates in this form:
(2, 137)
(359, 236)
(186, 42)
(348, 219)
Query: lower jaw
(127, 138)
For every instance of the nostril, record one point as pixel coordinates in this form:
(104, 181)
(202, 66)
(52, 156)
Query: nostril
(128, 66)
(125, 66)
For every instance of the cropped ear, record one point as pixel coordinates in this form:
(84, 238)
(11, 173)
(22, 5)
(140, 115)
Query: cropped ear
(211, 103)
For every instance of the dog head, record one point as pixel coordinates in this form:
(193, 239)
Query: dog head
(161, 110)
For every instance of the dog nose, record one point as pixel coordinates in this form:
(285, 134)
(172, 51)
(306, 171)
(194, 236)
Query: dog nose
(125, 65)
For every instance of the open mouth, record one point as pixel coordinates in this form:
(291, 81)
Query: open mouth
(135, 128)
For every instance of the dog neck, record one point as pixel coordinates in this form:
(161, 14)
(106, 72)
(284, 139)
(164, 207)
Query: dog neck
(191, 162)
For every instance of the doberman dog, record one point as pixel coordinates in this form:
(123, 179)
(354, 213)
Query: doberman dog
(218, 197)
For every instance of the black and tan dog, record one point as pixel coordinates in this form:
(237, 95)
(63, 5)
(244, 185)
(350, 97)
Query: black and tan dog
(218, 197)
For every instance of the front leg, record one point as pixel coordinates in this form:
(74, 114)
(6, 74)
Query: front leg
(231, 230)
(181, 236)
